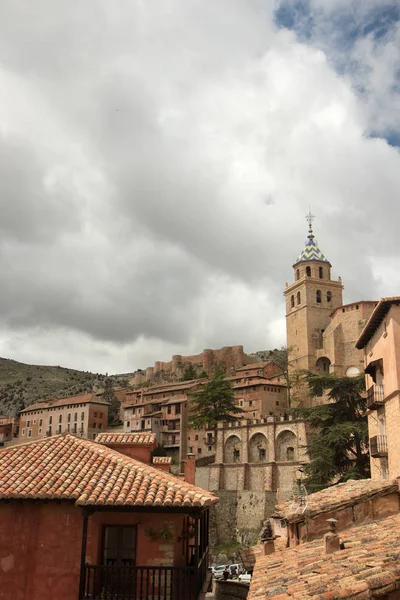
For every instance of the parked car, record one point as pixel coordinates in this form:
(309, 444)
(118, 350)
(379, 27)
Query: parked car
(236, 569)
(219, 571)
(245, 577)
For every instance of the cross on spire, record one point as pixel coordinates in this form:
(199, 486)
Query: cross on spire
(310, 218)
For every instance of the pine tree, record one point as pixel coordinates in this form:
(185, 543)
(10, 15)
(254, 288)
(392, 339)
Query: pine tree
(189, 372)
(214, 403)
(338, 447)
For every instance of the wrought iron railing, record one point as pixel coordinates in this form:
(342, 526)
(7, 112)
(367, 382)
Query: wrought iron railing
(139, 583)
(375, 396)
(378, 446)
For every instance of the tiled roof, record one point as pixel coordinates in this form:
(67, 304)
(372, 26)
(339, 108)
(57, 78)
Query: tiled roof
(260, 381)
(53, 403)
(162, 460)
(65, 467)
(311, 251)
(376, 318)
(367, 567)
(341, 495)
(139, 439)
(257, 365)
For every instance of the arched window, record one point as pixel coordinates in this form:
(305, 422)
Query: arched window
(292, 301)
(298, 298)
(321, 273)
(308, 271)
(328, 296)
(290, 453)
(318, 296)
(298, 274)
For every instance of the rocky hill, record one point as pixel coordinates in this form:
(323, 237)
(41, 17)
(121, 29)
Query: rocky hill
(22, 384)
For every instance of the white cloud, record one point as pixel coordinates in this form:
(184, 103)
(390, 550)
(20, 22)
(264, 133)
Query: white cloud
(161, 159)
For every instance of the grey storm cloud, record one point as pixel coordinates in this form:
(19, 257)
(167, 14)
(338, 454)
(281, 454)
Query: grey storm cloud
(156, 164)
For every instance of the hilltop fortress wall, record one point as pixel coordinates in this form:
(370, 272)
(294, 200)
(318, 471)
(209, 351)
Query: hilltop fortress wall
(232, 358)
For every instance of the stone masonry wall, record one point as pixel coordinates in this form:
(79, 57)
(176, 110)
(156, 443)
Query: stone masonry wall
(230, 590)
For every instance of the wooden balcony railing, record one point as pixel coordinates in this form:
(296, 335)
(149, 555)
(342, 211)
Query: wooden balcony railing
(136, 583)
(378, 446)
(375, 396)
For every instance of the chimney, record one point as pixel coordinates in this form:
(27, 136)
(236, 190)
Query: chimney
(331, 539)
(268, 538)
(190, 469)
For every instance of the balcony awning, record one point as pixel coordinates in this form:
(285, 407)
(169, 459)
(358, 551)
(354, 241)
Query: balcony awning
(373, 367)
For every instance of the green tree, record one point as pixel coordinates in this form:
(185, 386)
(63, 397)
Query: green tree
(189, 372)
(338, 445)
(214, 403)
(114, 407)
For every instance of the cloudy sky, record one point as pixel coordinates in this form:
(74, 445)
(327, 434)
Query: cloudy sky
(157, 158)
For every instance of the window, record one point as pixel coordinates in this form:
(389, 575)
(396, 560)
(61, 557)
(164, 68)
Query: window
(74, 428)
(290, 453)
(69, 418)
(196, 437)
(277, 403)
(59, 428)
(318, 296)
(68, 427)
(100, 425)
(128, 424)
(308, 271)
(40, 422)
(100, 415)
(210, 448)
(236, 455)
(169, 410)
(49, 431)
(75, 416)
(298, 274)
(94, 425)
(198, 450)
(60, 419)
(28, 423)
(40, 430)
(250, 402)
(82, 416)
(190, 450)
(321, 273)
(23, 432)
(177, 410)
(95, 414)
(188, 438)
(29, 432)
(298, 298)
(292, 301)
(34, 421)
(329, 296)
(261, 453)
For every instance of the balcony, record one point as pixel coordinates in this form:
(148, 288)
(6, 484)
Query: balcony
(133, 583)
(375, 397)
(378, 446)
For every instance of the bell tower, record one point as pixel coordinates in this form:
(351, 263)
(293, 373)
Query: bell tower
(309, 302)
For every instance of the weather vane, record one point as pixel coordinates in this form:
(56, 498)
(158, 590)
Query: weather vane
(310, 218)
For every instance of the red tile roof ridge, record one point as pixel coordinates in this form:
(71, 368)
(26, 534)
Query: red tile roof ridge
(54, 402)
(137, 438)
(90, 474)
(340, 495)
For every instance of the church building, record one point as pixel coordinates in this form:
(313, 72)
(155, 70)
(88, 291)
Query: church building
(322, 331)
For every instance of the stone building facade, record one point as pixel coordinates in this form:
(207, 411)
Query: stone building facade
(321, 331)
(380, 341)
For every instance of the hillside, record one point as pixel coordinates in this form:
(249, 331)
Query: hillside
(22, 384)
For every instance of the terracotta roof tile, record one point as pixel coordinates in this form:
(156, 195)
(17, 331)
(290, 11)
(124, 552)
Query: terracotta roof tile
(367, 567)
(162, 460)
(65, 467)
(340, 495)
(54, 402)
(137, 439)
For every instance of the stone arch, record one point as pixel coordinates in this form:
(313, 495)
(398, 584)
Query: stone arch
(232, 449)
(322, 365)
(258, 448)
(286, 445)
